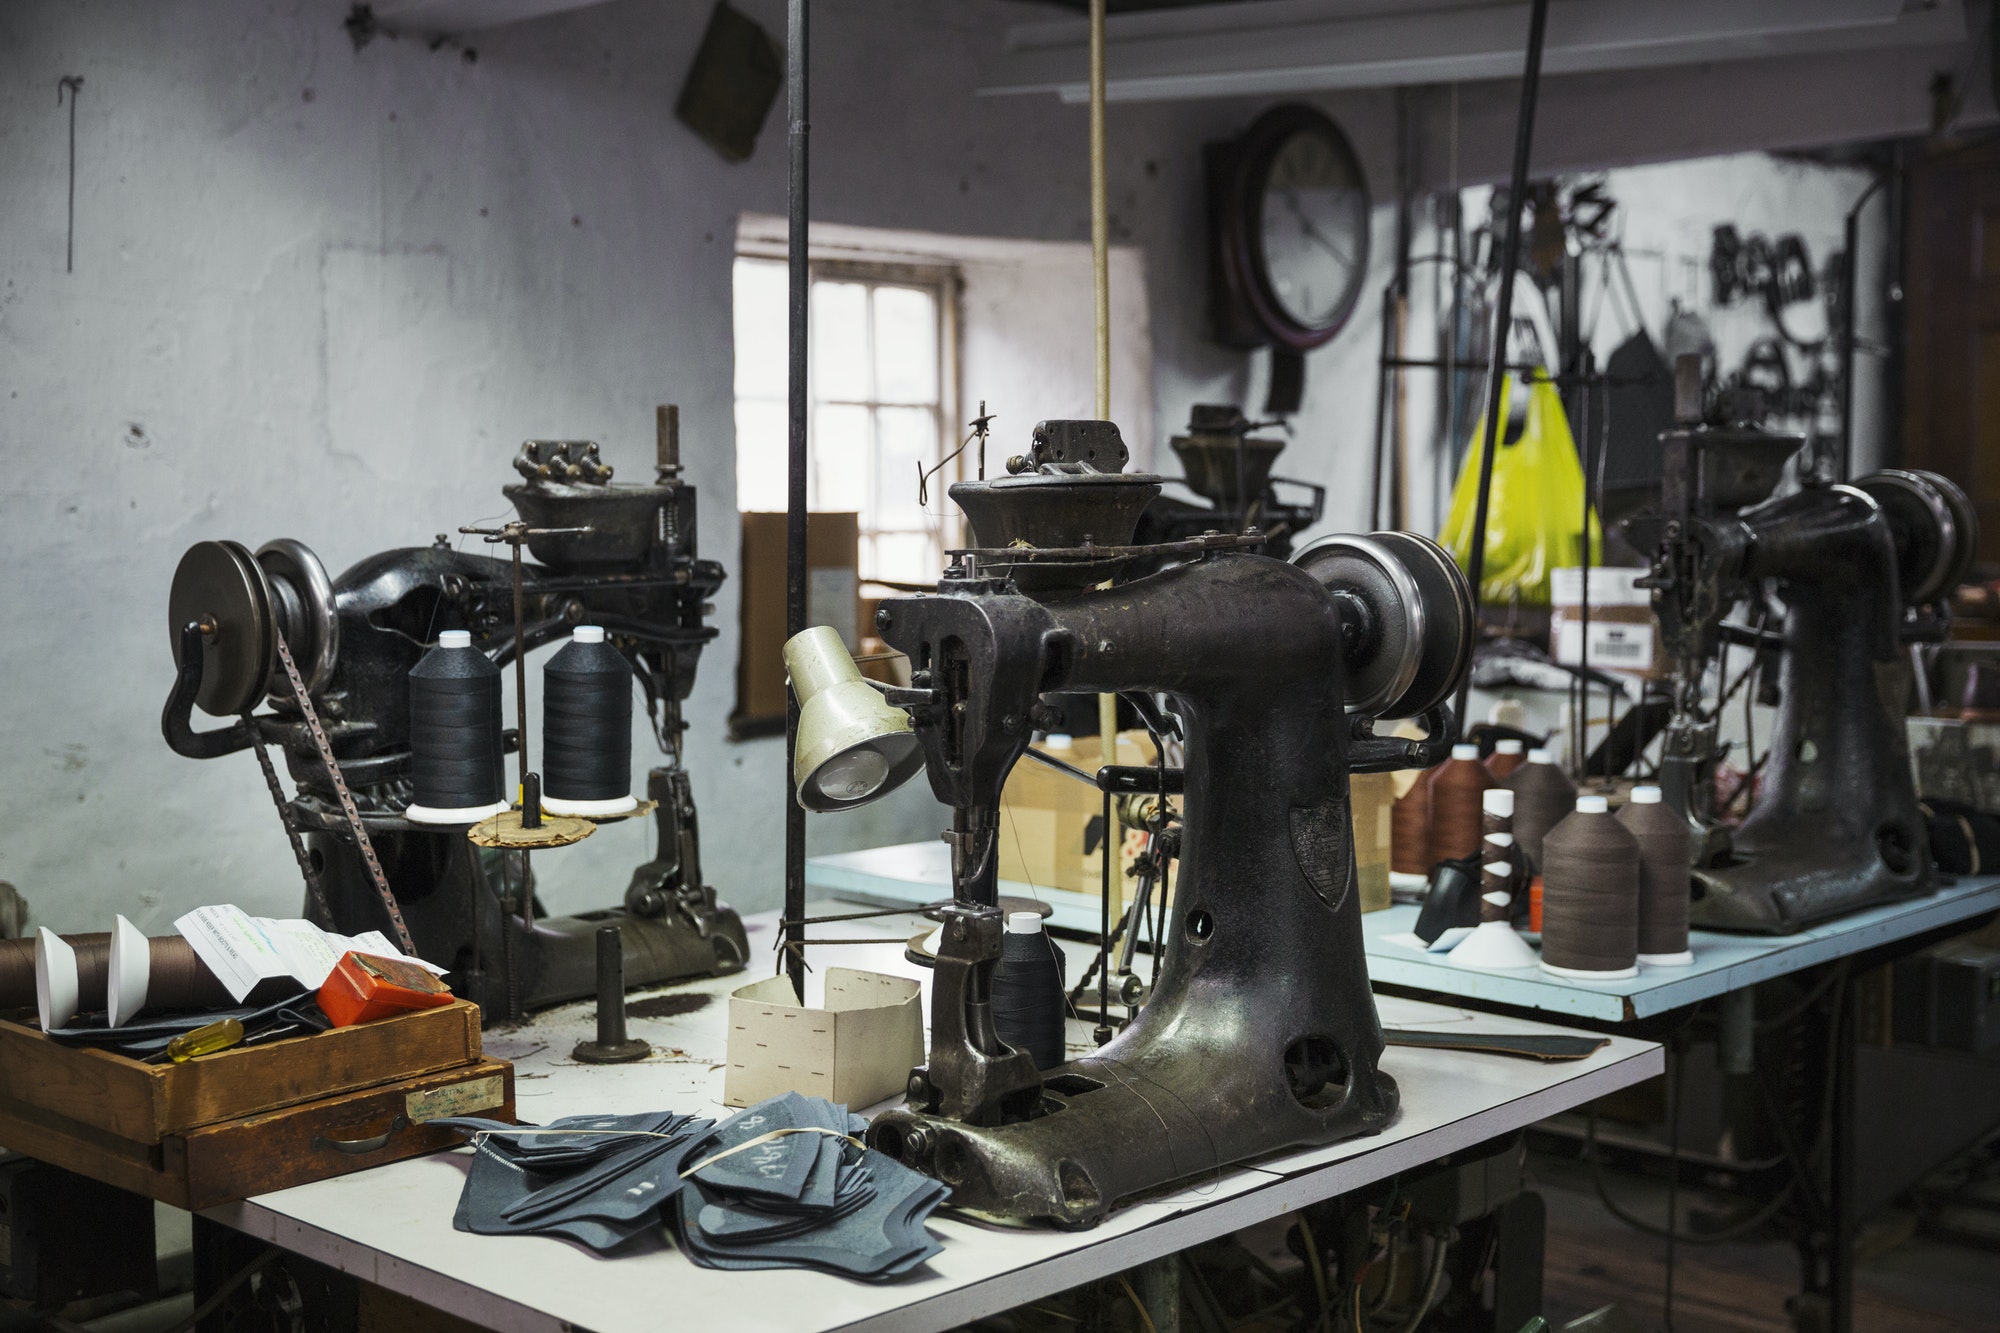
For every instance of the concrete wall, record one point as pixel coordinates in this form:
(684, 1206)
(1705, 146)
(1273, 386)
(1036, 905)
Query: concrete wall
(324, 293)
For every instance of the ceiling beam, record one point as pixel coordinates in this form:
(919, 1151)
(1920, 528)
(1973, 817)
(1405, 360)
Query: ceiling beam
(1297, 46)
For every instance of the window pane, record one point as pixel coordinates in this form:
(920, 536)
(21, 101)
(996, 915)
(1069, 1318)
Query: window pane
(760, 329)
(906, 345)
(904, 557)
(840, 341)
(906, 437)
(842, 448)
(760, 455)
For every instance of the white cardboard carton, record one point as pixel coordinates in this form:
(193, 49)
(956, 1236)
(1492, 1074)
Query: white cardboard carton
(857, 1051)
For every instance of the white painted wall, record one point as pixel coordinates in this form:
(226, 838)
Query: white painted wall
(323, 293)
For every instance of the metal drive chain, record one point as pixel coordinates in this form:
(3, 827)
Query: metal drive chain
(289, 820)
(345, 797)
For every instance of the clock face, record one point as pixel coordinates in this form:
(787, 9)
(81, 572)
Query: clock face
(1314, 228)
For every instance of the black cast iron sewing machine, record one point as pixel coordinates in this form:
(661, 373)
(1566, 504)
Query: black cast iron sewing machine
(1861, 570)
(625, 559)
(1262, 1032)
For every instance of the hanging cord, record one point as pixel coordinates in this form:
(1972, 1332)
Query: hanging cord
(73, 83)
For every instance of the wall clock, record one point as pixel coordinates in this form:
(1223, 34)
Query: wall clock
(1288, 228)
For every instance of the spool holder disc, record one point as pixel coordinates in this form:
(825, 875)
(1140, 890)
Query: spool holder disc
(505, 831)
(303, 601)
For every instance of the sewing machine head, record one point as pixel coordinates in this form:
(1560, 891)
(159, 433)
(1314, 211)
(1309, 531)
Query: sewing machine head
(1836, 579)
(1261, 1033)
(610, 554)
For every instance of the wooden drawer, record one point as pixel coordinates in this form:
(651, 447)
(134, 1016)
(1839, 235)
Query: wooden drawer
(144, 1103)
(219, 1163)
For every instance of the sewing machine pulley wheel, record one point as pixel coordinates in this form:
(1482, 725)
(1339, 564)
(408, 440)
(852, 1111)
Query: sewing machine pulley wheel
(245, 601)
(1937, 530)
(219, 584)
(1409, 618)
(302, 598)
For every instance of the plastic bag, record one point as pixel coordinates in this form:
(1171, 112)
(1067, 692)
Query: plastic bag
(1534, 516)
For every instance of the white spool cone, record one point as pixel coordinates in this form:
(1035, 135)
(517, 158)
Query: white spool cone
(1493, 947)
(55, 980)
(130, 973)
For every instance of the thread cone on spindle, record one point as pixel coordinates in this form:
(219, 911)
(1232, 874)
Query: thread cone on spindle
(1456, 789)
(1543, 797)
(1026, 992)
(1666, 851)
(1410, 828)
(587, 728)
(455, 759)
(1506, 757)
(1493, 946)
(1590, 895)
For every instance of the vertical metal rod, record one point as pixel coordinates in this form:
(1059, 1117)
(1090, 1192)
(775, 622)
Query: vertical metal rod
(1840, 1170)
(1100, 214)
(1104, 913)
(74, 83)
(1510, 259)
(1100, 266)
(610, 987)
(795, 505)
(520, 668)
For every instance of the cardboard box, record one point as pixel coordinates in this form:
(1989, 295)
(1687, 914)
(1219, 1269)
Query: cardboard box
(833, 597)
(1372, 795)
(857, 1050)
(1624, 636)
(1049, 835)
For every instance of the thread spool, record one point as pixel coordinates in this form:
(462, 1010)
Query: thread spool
(1410, 829)
(177, 978)
(455, 748)
(1496, 855)
(1590, 895)
(1456, 789)
(1506, 757)
(1543, 797)
(587, 728)
(1666, 850)
(1493, 946)
(1027, 991)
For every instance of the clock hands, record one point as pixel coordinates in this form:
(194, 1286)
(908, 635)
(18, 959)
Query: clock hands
(1311, 229)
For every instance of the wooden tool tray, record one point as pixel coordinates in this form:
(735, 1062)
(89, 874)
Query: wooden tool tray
(258, 1118)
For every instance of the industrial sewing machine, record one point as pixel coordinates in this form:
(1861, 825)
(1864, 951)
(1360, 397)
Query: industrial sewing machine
(621, 556)
(1861, 570)
(1261, 1034)
(1228, 465)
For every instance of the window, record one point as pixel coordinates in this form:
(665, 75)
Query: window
(879, 363)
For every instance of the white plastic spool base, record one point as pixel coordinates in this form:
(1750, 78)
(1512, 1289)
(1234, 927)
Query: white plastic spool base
(424, 814)
(1494, 947)
(1685, 958)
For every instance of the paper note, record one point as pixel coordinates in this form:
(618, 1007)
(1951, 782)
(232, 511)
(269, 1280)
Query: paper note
(244, 950)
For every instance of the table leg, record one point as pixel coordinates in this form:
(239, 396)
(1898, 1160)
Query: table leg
(1840, 1169)
(1160, 1292)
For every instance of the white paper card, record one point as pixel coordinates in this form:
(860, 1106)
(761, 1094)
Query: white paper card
(243, 950)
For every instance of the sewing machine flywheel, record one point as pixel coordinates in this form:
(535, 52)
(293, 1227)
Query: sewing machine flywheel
(243, 602)
(1407, 618)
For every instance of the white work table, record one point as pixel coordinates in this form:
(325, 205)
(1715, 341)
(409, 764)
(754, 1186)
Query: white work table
(921, 873)
(392, 1225)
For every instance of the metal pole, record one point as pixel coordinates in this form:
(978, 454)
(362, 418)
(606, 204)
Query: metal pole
(1100, 265)
(795, 505)
(1510, 258)
(1100, 215)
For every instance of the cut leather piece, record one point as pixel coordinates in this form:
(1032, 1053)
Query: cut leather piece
(1547, 1046)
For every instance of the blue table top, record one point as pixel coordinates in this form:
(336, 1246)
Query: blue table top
(921, 872)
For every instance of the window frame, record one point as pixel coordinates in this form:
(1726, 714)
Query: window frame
(946, 285)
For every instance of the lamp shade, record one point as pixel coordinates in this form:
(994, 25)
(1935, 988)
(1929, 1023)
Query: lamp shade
(853, 745)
